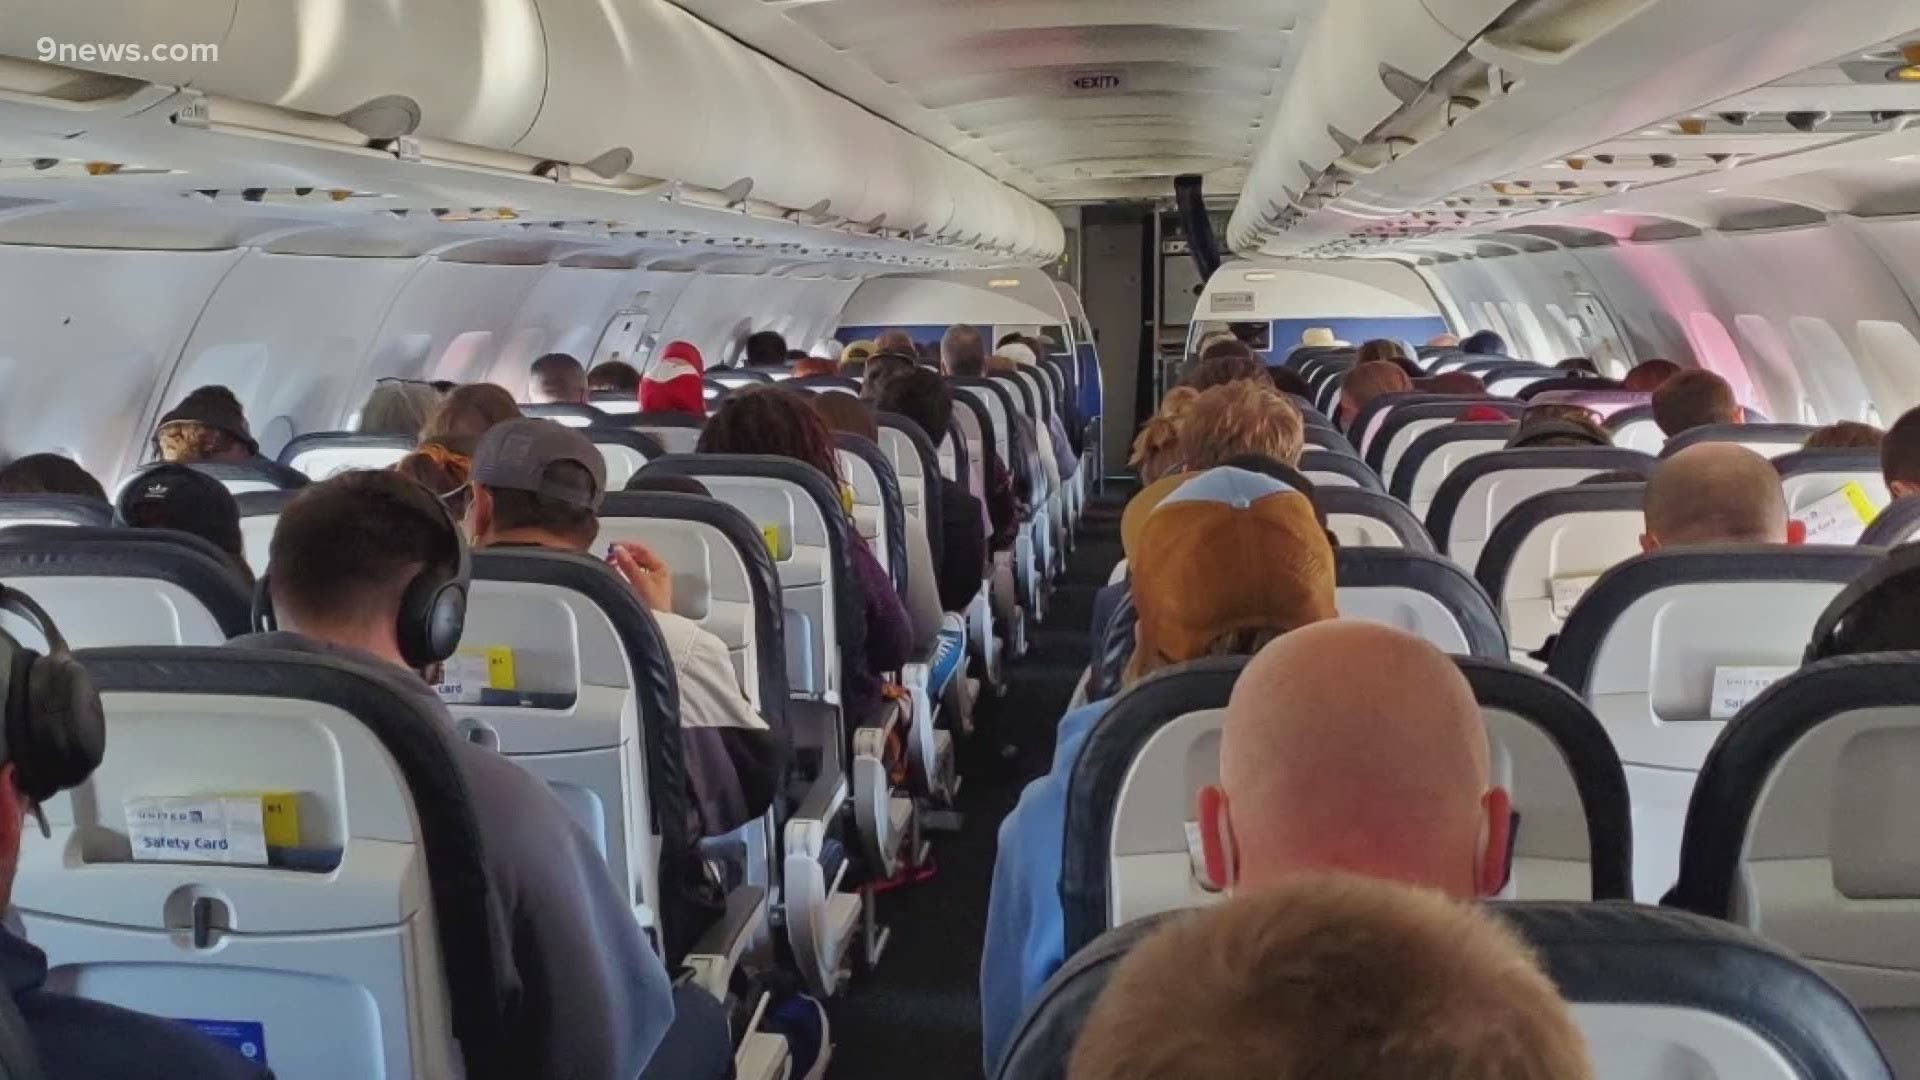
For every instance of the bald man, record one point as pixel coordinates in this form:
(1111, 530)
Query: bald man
(1381, 778)
(1715, 493)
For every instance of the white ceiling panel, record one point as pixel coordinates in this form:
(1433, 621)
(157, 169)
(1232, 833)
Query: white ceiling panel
(1068, 100)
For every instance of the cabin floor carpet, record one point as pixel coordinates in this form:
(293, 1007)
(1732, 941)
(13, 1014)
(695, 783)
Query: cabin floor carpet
(917, 1015)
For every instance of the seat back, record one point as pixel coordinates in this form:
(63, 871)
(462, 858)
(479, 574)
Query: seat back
(1368, 421)
(1799, 825)
(1665, 647)
(974, 448)
(259, 516)
(1422, 594)
(1767, 440)
(614, 402)
(565, 413)
(1550, 549)
(1634, 428)
(677, 433)
(358, 948)
(1835, 493)
(1475, 497)
(1510, 382)
(1896, 525)
(724, 579)
(19, 510)
(1408, 422)
(1331, 469)
(1604, 403)
(1432, 456)
(1363, 519)
(626, 451)
(1133, 789)
(108, 587)
(320, 454)
(879, 510)
(1328, 438)
(916, 467)
(591, 708)
(803, 522)
(1025, 397)
(242, 477)
(825, 384)
(733, 378)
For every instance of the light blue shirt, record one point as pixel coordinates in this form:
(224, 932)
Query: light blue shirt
(1026, 929)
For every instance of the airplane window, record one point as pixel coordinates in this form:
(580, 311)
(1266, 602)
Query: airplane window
(1831, 373)
(277, 434)
(1773, 365)
(1891, 365)
(1717, 353)
(465, 358)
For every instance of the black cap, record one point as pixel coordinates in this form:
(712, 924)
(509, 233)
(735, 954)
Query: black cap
(217, 408)
(186, 500)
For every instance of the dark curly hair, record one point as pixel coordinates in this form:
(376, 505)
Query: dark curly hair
(771, 420)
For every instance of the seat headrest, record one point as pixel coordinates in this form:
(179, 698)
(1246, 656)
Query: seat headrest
(263, 503)
(1043, 1043)
(1430, 443)
(180, 559)
(1752, 434)
(1358, 502)
(1626, 954)
(69, 509)
(323, 440)
(1805, 462)
(1431, 575)
(1496, 559)
(1343, 465)
(257, 471)
(1447, 501)
(1897, 524)
(895, 538)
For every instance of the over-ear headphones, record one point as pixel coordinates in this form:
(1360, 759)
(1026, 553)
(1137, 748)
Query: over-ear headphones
(433, 609)
(55, 731)
(1875, 613)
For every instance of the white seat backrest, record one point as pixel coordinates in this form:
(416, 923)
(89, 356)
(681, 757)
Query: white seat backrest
(1359, 530)
(622, 462)
(785, 512)
(239, 486)
(1406, 608)
(908, 470)
(1403, 438)
(869, 504)
(1555, 564)
(675, 440)
(1643, 435)
(1491, 497)
(1638, 1041)
(1552, 859)
(711, 583)
(618, 407)
(976, 437)
(1440, 464)
(571, 420)
(1805, 490)
(1152, 869)
(1002, 423)
(98, 612)
(323, 461)
(576, 724)
(335, 973)
(1322, 478)
(1509, 385)
(256, 539)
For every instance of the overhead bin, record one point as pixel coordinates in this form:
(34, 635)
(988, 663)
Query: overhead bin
(566, 81)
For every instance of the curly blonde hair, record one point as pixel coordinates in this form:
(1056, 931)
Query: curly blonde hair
(1156, 450)
(1238, 419)
(185, 441)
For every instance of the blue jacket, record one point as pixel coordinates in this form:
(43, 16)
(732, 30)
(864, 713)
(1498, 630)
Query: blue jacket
(1026, 932)
(78, 1039)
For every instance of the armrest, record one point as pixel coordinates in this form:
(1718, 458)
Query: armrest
(718, 951)
(824, 799)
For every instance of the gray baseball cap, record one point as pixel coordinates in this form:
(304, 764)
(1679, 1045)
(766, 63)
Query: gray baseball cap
(521, 455)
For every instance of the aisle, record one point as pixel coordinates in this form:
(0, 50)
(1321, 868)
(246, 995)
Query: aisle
(919, 1014)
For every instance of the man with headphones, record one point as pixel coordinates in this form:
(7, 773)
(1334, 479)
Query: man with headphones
(371, 568)
(54, 737)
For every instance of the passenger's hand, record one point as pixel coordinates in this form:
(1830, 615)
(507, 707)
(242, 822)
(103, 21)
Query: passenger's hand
(647, 572)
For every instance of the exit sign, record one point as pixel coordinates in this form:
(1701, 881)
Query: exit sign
(1093, 82)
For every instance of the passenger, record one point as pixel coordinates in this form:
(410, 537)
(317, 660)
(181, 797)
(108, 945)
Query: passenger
(675, 383)
(1332, 976)
(771, 420)
(1692, 399)
(538, 484)
(1649, 375)
(1554, 424)
(896, 341)
(963, 352)
(1900, 455)
(924, 398)
(1240, 418)
(883, 366)
(441, 470)
(468, 412)
(1055, 447)
(1383, 350)
(397, 407)
(1443, 341)
(809, 366)
(49, 474)
(70, 1037)
(1578, 365)
(1225, 564)
(585, 993)
(1224, 363)
(614, 377)
(1485, 343)
(794, 356)
(1715, 493)
(1366, 382)
(1288, 381)
(1846, 435)
(1319, 337)
(559, 379)
(766, 351)
(176, 497)
(1457, 383)
(1156, 450)
(853, 359)
(845, 414)
(209, 427)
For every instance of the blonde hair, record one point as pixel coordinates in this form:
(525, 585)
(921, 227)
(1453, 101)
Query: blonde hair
(1156, 450)
(1002, 364)
(1238, 419)
(1368, 381)
(1332, 977)
(187, 441)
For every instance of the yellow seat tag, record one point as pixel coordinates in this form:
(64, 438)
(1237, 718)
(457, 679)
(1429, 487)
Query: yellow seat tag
(771, 534)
